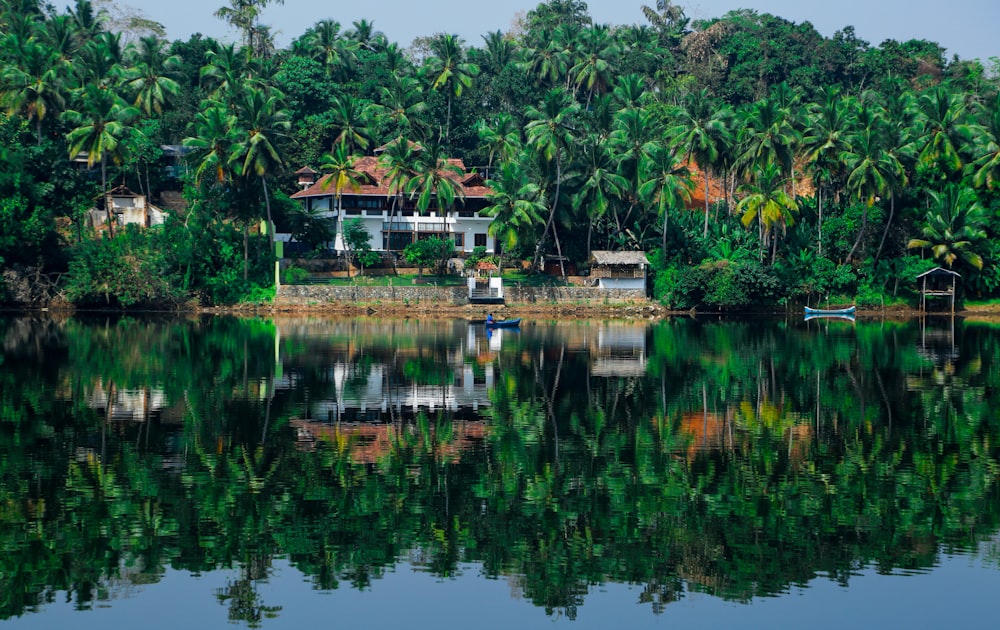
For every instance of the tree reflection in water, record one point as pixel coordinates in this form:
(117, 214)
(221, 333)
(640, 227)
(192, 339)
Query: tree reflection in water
(732, 458)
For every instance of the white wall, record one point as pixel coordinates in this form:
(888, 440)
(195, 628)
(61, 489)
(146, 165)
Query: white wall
(622, 283)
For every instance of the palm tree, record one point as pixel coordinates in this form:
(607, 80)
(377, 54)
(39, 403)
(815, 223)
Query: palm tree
(342, 175)
(350, 117)
(151, 76)
(399, 161)
(547, 64)
(436, 178)
(666, 183)
(830, 126)
(872, 170)
(515, 205)
(222, 76)
(550, 133)
(366, 36)
(630, 91)
(986, 173)
(944, 129)
(323, 43)
(633, 143)
(601, 183)
(34, 84)
(954, 227)
(212, 142)
(502, 138)
(767, 137)
(404, 103)
(766, 202)
(699, 131)
(597, 61)
(263, 121)
(448, 69)
(98, 128)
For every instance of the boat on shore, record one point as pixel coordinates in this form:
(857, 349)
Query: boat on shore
(831, 312)
(503, 323)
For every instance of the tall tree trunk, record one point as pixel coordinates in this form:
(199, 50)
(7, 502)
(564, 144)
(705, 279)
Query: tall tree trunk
(552, 214)
(246, 250)
(562, 264)
(704, 173)
(666, 222)
(885, 231)
(861, 233)
(107, 197)
(819, 221)
(267, 205)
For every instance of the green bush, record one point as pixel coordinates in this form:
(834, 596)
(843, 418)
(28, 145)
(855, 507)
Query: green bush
(293, 275)
(122, 271)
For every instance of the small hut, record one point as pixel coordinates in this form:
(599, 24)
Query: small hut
(619, 270)
(937, 283)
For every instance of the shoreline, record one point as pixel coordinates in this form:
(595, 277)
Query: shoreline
(625, 311)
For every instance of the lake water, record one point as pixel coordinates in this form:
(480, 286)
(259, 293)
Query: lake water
(296, 473)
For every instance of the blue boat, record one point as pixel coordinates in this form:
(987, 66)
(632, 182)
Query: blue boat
(831, 312)
(504, 323)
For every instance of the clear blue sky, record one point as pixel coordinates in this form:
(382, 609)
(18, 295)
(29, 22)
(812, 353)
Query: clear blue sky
(965, 27)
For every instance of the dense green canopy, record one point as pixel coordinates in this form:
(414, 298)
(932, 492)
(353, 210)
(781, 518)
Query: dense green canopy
(861, 139)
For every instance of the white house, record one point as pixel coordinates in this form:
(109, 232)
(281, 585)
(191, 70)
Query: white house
(619, 270)
(391, 228)
(128, 208)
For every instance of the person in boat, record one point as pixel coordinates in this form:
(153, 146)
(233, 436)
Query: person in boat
(489, 319)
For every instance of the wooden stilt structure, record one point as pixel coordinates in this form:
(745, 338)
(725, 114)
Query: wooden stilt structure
(938, 282)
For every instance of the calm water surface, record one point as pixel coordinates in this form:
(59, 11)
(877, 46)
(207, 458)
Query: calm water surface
(362, 473)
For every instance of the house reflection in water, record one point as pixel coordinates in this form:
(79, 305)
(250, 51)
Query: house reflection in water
(126, 405)
(394, 372)
(621, 351)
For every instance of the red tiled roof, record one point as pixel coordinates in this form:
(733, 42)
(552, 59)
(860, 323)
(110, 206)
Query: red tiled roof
(472, 183)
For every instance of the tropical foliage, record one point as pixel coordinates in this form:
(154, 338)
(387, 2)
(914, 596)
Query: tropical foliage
(593, 137)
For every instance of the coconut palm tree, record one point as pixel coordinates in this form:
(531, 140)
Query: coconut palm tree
(872, 170)
(342, 175)
(151, 77)
(943, 128)
(825, 140)
(986, 168)
(766, 202)
(212, 143)
(263, 122)
(502, 138)
(350, 118)
(597, 61)
(515, 205)
(601, 184)
(666, 184)
(404, 103)
(399, 161)
(632, 142)
(436, 179)
(954, 227)
(99, 126)
(447, 70)
(550, 134)
(34, 84)
(699, 131)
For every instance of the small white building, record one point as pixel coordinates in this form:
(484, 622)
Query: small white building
(128, 208)
(392, 228)
(619, 270)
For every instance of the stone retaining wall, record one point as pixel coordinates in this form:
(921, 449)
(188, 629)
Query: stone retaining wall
(314, 295)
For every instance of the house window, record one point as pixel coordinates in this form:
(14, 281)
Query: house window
(480, 240)
(459, 239)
